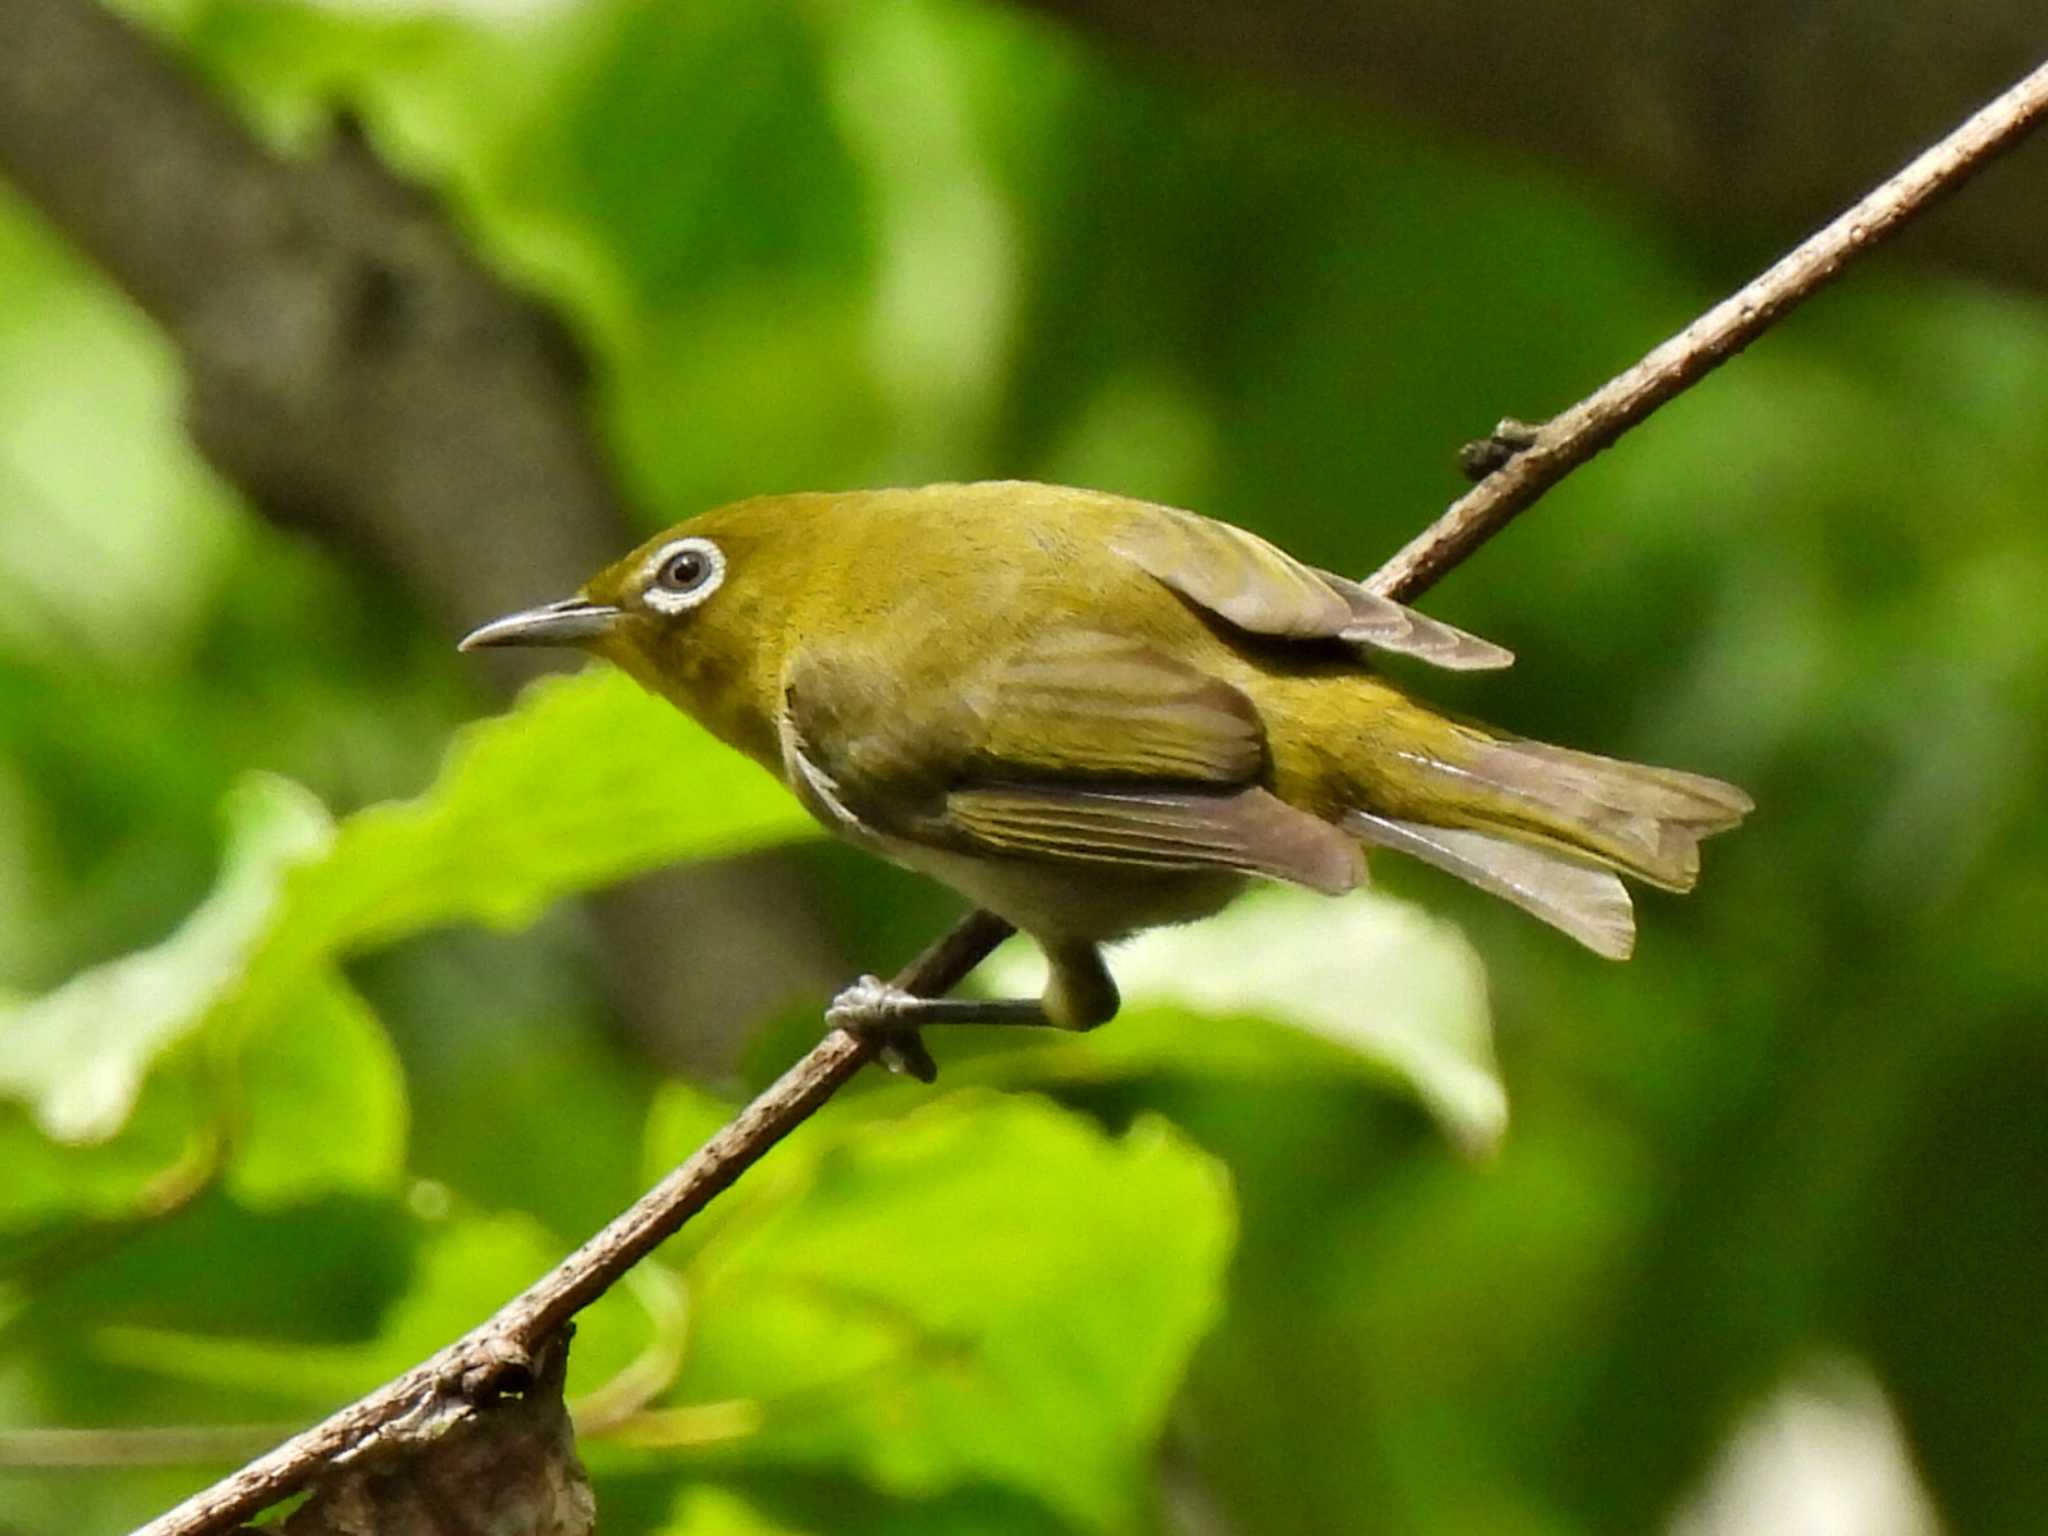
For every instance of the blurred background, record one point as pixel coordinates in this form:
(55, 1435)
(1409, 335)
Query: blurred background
(328, 331)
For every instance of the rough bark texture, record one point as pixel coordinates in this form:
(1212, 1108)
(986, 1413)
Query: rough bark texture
(505, 1468)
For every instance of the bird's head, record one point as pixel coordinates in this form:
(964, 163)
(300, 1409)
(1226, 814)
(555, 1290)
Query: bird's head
(695, 614)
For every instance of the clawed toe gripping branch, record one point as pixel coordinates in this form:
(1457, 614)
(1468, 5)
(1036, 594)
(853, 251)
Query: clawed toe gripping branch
(521, 1345)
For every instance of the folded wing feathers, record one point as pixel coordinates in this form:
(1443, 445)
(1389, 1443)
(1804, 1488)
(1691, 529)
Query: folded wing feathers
(1262, 589)
(1386, 625)
(1094, 703)
(1234, 574)
(1249, 830)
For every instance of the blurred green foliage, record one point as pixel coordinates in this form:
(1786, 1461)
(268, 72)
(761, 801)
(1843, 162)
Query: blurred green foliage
(265, 1146)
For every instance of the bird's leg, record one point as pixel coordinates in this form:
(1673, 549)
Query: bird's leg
(1079, 991)
(871, 1005)
(1079, 994)
(936, 971)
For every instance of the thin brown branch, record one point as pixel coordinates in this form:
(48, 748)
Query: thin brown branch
(499, 1355)
(1568, 439)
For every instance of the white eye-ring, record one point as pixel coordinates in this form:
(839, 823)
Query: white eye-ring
(681, 574)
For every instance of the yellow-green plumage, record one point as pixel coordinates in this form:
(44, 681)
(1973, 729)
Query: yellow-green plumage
(1093, 714)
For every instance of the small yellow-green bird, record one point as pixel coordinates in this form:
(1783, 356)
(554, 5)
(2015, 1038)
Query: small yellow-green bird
(1093, 715)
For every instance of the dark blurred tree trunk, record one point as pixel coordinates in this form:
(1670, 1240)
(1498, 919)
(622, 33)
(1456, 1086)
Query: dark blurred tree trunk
(358, 373)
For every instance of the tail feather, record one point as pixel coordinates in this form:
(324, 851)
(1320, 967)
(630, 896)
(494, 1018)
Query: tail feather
(1589, 903)
(1645, 821)
(1548, 828)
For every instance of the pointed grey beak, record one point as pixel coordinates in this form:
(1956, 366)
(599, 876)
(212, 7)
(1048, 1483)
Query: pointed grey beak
(570, 622)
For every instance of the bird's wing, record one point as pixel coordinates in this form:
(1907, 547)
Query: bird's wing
(1086, 747)
(1250, 831)
(1081, 704)
(1262, 589)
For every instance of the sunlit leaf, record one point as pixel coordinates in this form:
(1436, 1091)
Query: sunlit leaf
(588, 779)
(90, 422)
(779, 1505)
(718, 1512)
(78, 1055)
(1283, 982)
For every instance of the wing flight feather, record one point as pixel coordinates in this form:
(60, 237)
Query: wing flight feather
(1248, 830)
(1263, 590)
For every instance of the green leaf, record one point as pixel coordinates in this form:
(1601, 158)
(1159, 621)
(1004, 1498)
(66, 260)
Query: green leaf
(323, 1102)
(1286, 982)
(719, 1512)
(777, 1504)
(679, 1121)
(90, 420)
(988, 1290)
(78, 1055)
(585, 781)
(156, 1158)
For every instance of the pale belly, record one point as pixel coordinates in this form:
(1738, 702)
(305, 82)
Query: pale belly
(1078, 901)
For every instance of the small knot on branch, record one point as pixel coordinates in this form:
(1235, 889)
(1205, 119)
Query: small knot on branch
(492, 1366)
(1483, 455)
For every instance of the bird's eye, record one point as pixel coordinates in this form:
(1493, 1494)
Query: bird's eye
(682, 575)
(686, 569)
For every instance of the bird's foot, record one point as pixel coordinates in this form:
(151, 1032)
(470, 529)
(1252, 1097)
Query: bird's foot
(871, 1006)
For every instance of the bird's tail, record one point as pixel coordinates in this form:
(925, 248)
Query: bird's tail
(1548, 828)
